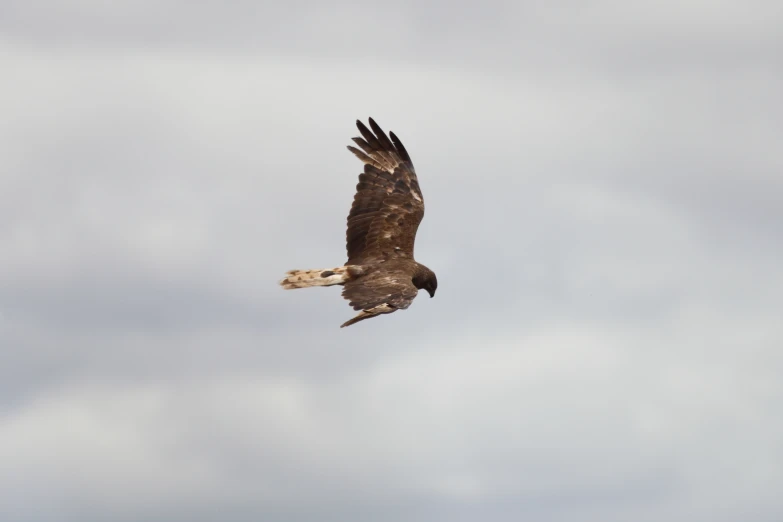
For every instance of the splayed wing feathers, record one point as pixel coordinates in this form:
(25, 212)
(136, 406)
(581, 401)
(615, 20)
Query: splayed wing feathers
(388, 205)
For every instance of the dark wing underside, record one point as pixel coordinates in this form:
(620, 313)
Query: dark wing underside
(388, 205)
(391, 288)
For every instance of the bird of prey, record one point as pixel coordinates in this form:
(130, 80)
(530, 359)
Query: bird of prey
(381, 276)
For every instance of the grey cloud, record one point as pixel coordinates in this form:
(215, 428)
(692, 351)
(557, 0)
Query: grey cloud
(602, 187)
(609, 33)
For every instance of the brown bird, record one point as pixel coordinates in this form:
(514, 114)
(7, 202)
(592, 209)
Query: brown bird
(381, 276)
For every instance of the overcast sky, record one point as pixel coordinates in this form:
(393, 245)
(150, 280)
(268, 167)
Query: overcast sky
(604, 188)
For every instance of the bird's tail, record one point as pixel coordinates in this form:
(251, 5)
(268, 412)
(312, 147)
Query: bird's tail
(315, 277)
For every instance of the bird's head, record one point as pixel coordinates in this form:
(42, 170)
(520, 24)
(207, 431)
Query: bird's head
(425, 279)
(432, 286)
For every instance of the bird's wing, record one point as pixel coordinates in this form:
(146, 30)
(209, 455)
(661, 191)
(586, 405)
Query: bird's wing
(393, 288)
(380, 292)
(388, 205)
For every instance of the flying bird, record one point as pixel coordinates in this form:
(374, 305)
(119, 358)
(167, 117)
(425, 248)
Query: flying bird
(381, 276)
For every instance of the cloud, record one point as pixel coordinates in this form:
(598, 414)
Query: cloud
(602, 211)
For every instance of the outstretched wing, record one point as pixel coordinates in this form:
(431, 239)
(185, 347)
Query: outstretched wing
(388, 205)
(381, 292)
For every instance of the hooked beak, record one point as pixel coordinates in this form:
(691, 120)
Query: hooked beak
(431, 292)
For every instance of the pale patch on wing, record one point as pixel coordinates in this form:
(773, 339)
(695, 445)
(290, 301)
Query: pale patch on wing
(382, 160)
(383, 308)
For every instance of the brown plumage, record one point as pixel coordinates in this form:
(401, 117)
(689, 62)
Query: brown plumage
(381, 276)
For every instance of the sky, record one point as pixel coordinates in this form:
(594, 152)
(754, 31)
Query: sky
(603, 184)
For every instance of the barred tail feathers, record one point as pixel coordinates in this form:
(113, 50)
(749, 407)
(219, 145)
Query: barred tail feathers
(315, 277)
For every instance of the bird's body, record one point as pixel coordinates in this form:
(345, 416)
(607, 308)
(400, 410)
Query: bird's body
(381, 275)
